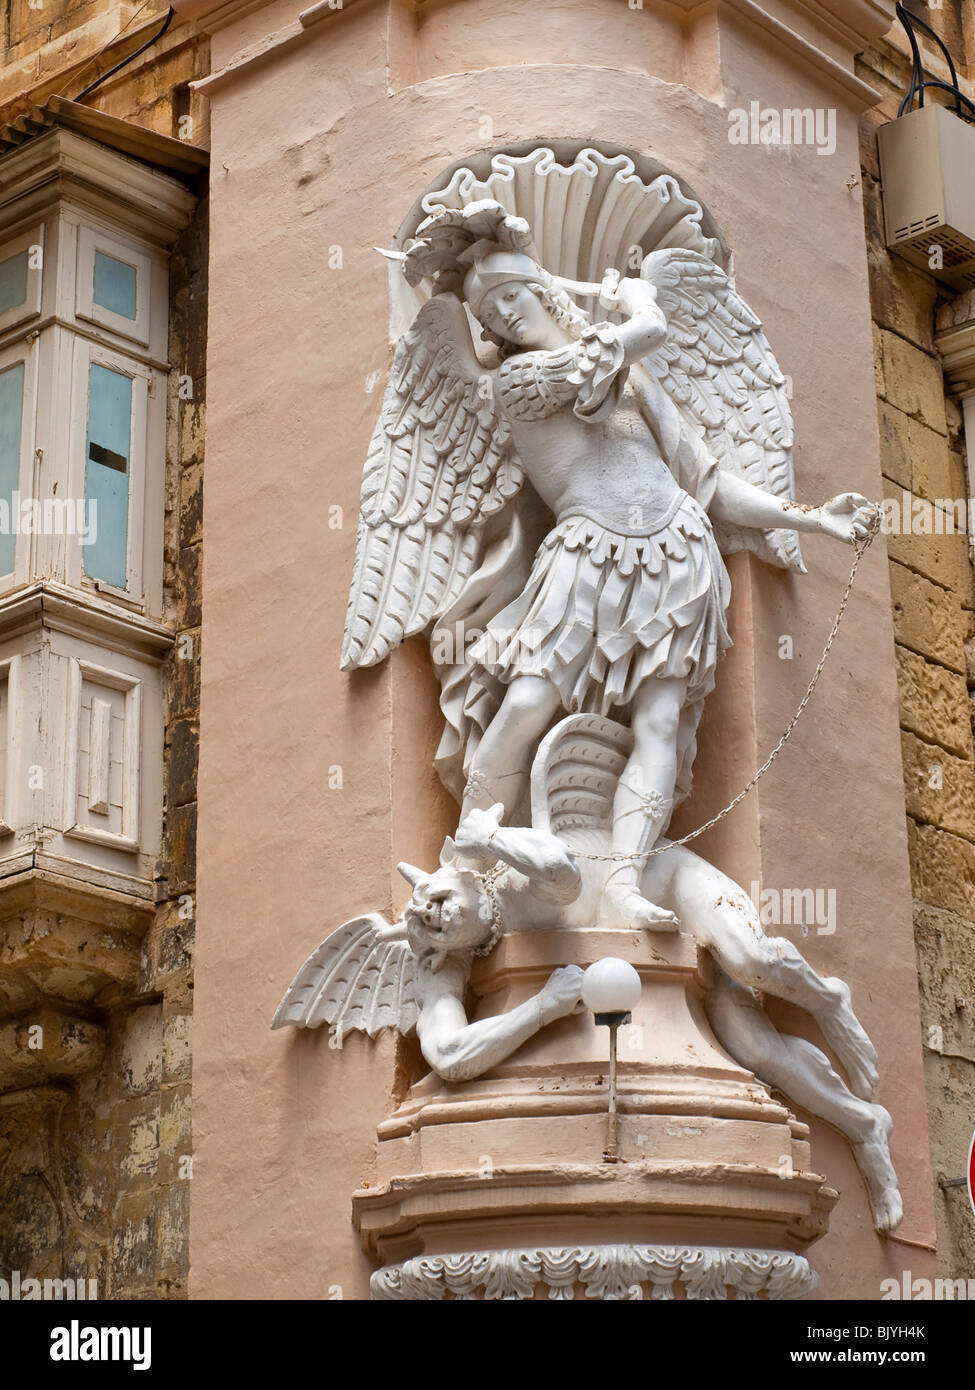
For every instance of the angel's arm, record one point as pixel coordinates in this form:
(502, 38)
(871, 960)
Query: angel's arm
(646, 325)
(590, 372)
(846, 517)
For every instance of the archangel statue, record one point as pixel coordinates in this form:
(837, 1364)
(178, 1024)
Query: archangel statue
(550, 508)
(651, 443)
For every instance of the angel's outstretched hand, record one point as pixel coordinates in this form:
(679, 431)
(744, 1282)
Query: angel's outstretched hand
(848, 517)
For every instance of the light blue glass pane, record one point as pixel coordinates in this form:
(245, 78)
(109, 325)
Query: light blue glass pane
(107, 477)
(114, 285)
(11, 414)
(13, 281)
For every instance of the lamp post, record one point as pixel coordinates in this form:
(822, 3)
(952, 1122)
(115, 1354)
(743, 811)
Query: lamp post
(611, 988)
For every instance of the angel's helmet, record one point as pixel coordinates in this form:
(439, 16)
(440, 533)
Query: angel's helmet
(514, 298)
(451, 911)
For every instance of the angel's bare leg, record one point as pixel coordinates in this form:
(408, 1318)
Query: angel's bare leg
(643, 803)
(803, 1073)
(499, 770)
(723, 918)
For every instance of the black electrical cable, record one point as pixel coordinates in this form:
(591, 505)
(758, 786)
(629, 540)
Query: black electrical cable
(917, 67)
(918, 80)
(946, 87)
(112, 71)
(923, 24)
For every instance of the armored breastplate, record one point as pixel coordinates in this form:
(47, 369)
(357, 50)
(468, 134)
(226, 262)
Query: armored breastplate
(588, 374)
(534, 385)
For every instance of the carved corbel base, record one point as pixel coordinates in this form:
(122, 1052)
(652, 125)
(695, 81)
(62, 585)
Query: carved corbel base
(47, 1044)
(515, 1158)
(610, 1272)
(68, 951)
(65, 940)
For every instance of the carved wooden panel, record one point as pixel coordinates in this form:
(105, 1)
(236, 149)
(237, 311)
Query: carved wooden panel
(103, 755)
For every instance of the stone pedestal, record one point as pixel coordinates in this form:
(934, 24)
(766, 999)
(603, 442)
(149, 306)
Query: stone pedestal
(499, 1188)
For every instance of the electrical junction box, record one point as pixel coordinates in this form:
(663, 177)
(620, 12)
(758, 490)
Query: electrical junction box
(927, 167)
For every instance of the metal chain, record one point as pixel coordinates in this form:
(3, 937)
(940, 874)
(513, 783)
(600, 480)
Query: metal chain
(861, 548)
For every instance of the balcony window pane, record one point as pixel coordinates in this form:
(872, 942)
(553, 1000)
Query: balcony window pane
(13, 281)
(11, 415)
(107, 473)
(114, 285)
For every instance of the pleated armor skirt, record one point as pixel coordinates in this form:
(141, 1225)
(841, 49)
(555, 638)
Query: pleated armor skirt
(602, 613)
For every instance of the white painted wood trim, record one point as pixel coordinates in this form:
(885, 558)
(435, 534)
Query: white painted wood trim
(131, 686)
(90, 240)
(84, 354)
(27, 352)
(10, 673)
(31, 306)
(99, 756)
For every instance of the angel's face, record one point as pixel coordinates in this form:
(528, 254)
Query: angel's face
(514, 312)
(447, 912)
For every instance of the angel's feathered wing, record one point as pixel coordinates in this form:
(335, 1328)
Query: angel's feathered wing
(441, 462)
(353, 980)
(717, 367)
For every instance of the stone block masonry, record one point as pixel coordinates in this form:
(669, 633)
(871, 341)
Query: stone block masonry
(933, 590)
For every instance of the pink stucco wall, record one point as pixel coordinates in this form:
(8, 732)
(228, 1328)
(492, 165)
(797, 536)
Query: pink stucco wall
(328, 143)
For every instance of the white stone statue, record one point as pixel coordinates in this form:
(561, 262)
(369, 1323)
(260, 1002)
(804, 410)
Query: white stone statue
(370, 974)
(550, 509)
(650, 443)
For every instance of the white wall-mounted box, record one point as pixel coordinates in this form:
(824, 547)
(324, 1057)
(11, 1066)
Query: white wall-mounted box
(927, 167)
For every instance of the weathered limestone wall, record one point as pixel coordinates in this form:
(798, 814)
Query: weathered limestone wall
(149, 1221)
(94, 1172)
(60, 46)
(933, 588)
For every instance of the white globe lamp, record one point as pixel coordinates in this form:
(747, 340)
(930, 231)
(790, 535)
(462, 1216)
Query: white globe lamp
(611, 988)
